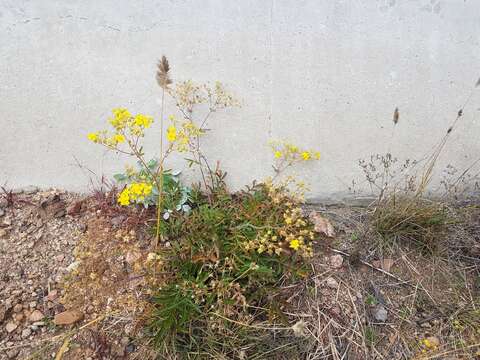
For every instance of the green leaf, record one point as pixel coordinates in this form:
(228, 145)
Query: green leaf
(120, 177)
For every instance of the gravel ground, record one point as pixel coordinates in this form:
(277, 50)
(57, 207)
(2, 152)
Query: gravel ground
(38, 231)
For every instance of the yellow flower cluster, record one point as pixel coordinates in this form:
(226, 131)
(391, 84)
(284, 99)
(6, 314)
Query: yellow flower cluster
(134, 192)
(123, 122)
(293, 234)
(101, 137)
(292, 153)
(430, 343)
(182, 133)
(171, 133)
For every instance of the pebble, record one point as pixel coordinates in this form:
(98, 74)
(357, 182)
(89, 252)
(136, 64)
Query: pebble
(35, 316)
(118, 220)
(52, 295)
(73, 266)
(380, 313)
(68, 317)
(332, 283)
(12, 354)
(26, 332)
(17, 308)
(11, 326)
(336, 261)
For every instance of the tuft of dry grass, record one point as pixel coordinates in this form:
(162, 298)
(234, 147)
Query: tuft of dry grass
(411, 221)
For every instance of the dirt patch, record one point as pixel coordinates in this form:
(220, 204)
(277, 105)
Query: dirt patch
(38, 231)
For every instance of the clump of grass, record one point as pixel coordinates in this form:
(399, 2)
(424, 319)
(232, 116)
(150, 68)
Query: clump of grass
(401, 210)
(410, 221)
(220, 289)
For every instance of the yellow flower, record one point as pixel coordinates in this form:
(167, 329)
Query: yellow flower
(295, 244)
(124, 197)
(143, 120)
(138, 191)
(306, 155)
(171, 133)
(121, 113)
(278, 154)
(119, 138)
(93, 137)
(317, 155)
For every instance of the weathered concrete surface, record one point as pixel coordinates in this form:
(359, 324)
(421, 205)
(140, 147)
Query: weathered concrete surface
(323, 74)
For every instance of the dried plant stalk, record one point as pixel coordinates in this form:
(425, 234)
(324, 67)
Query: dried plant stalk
(163, 80)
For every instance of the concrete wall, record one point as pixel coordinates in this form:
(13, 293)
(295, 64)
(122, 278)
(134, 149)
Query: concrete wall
(323, 74)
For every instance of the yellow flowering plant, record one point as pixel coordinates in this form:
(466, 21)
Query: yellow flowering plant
(140, 188)
(230, 247)
(287, 154)
(291, 232)
(153, 184)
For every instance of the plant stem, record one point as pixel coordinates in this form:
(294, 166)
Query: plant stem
(160, 170)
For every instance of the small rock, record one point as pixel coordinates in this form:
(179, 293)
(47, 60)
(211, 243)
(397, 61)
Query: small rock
(82, 227)
(74, 208)
(38, 235)
(12, 354)
(2, 212)
(130, 348)
(336, 310)
(321, 224)
(336, 261)
(118, 220)
(380, 313)
(11, 326)
(7, 221)
(26, 332)
(33, 304)
(332, 283)
(68, 317)
(38, 323)
(60, 257)
(60, 213)
(18, 317)
(35, 316)
(17, 308)
(52, 295)
(3, 233)
(73, 266)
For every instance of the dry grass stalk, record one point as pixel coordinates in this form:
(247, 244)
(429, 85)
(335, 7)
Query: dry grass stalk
(163, 80)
